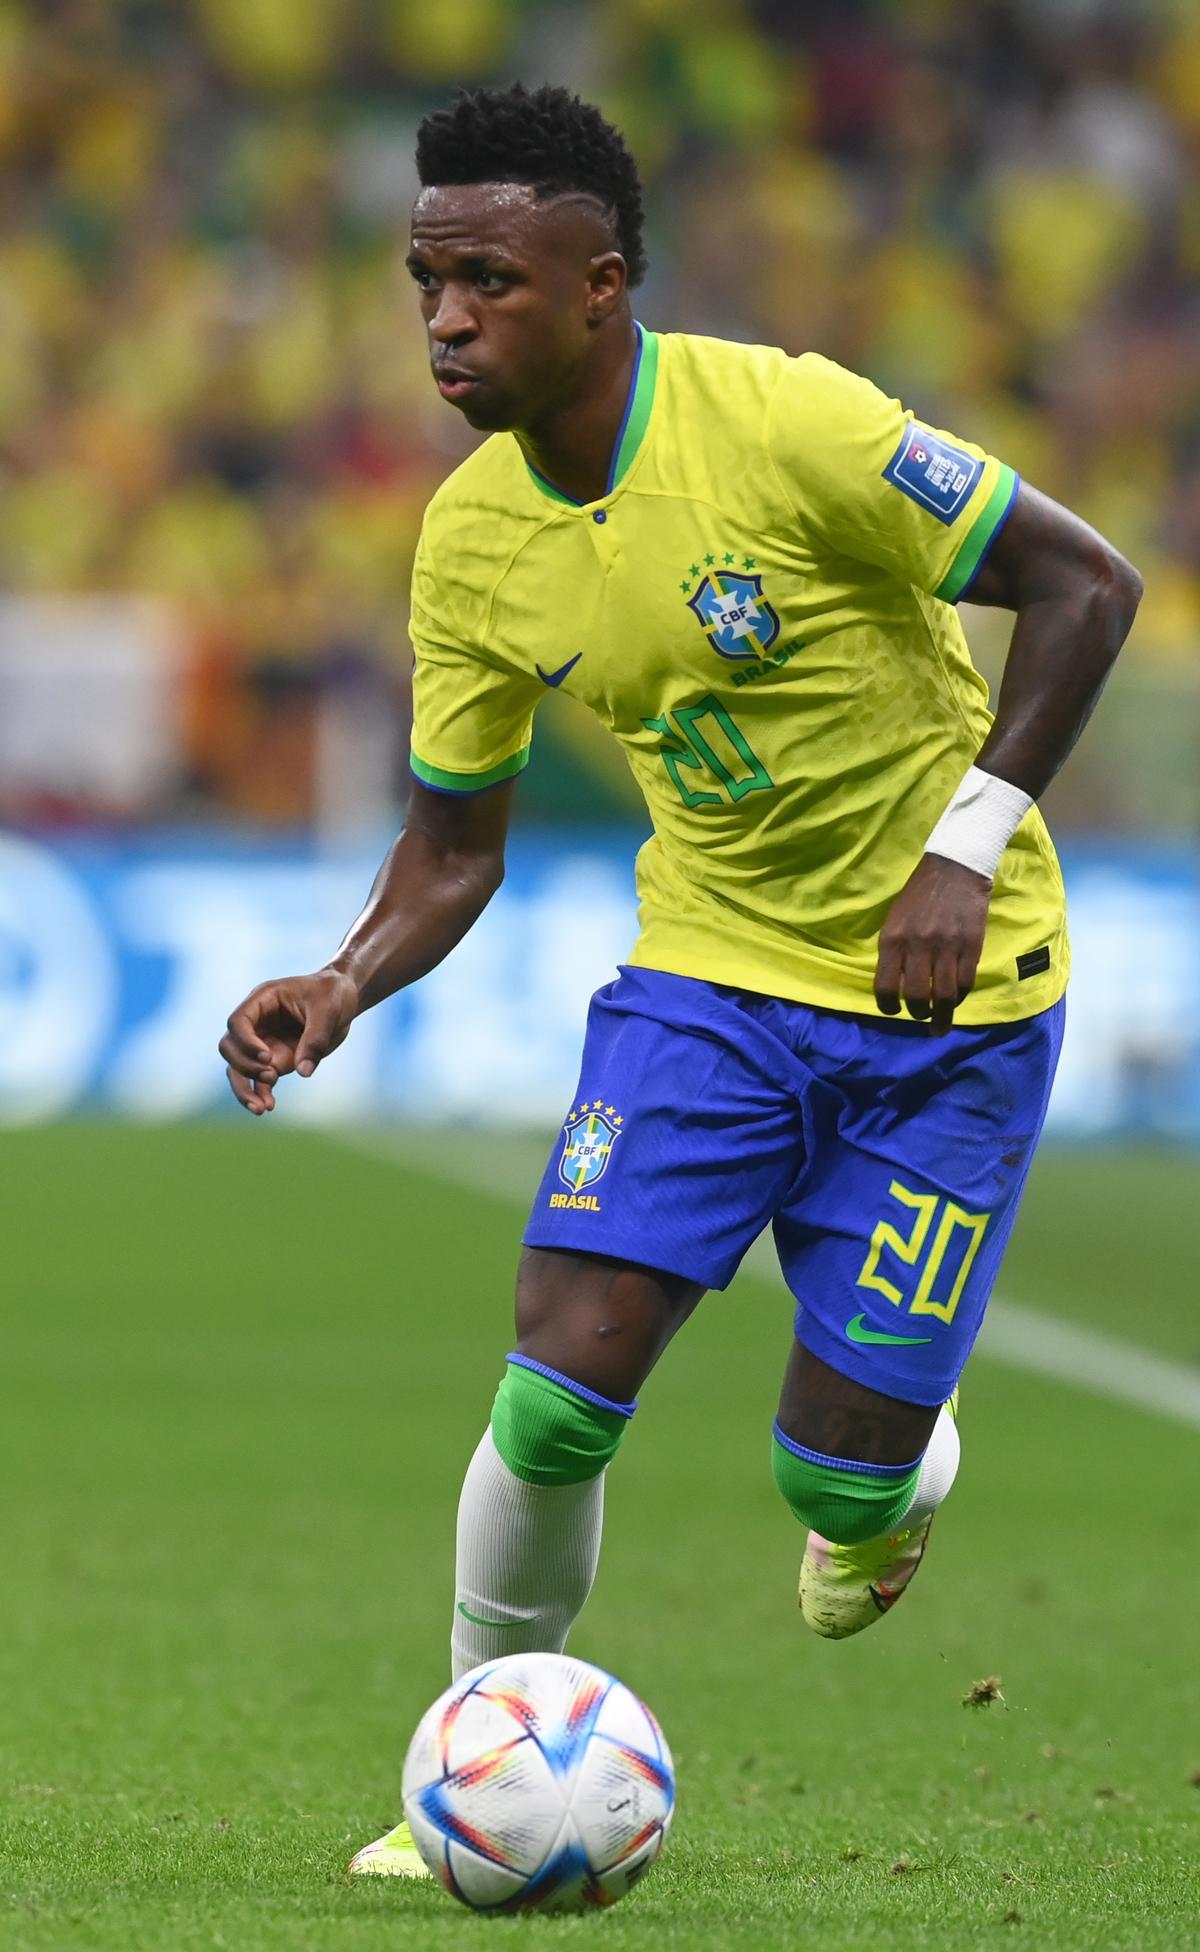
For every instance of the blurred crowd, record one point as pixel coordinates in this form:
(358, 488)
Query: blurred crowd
(213, 388)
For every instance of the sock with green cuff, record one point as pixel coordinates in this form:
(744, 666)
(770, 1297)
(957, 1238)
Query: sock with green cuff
(531, 1513)
(843, 1501)
(849, 1502)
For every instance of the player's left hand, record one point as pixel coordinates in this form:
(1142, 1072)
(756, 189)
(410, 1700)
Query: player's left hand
(931, 942)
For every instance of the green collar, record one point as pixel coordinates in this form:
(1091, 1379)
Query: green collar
(634, 422)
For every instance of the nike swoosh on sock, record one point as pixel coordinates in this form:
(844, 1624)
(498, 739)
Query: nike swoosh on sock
(477, 1619)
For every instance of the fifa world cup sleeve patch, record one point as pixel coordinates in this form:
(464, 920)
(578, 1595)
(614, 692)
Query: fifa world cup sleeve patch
(933, 472)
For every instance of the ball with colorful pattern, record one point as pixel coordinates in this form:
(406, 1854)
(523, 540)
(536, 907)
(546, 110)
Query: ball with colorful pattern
(538, 1783)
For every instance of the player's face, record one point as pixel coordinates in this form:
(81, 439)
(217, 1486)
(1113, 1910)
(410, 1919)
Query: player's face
(511, 290)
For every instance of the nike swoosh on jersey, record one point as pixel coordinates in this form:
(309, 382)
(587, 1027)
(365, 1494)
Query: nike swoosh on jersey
(556, 677)
(857, 1331)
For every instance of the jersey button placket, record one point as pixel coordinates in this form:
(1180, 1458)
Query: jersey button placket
(606, 540)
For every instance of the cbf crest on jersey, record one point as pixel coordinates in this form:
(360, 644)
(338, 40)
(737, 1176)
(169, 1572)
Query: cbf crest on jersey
(733, 612)
(590, 1135)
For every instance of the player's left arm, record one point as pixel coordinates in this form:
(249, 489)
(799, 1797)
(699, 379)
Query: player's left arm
(1075, 598)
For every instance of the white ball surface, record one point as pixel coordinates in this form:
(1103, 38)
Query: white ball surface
(538, 1782)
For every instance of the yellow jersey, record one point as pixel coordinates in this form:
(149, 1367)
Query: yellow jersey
(761, 608)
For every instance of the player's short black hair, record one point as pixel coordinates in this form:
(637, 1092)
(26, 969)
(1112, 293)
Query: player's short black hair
(545, 137)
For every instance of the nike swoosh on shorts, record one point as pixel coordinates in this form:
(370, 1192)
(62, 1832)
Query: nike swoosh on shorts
(857, 1331)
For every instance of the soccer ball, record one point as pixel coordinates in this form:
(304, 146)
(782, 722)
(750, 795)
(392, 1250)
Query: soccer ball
(538, 1783)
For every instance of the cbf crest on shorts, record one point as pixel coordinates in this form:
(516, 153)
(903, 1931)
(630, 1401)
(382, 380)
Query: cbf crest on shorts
(735, 616)
(589, 1137)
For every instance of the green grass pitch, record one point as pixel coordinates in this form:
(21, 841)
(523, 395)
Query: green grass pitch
(243, 1369)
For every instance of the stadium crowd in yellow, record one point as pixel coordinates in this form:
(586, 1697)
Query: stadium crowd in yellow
(212, 383)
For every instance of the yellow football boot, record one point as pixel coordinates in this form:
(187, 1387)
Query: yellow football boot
(393, 1855)
(844, 1588)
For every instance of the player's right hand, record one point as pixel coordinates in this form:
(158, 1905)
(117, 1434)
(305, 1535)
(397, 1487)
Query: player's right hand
(283, 1026)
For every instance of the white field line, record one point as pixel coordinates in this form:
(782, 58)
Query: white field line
(1025, 1338)
(509, 1166)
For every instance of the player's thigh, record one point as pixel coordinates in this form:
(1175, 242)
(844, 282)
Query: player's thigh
(684, 1134)
(604, 1322)
(892, 1244)
(829, 1412)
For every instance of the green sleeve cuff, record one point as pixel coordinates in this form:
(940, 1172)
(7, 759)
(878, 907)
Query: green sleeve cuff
(979, 537)
(442, 781)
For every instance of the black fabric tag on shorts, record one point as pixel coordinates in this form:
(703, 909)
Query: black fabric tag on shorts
(1033, 962)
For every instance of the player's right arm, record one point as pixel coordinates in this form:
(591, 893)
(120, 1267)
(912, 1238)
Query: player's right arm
(433, 886)
(472, 725)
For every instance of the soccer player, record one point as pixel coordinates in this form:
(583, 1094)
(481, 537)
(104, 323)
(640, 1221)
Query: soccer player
(844, 1008)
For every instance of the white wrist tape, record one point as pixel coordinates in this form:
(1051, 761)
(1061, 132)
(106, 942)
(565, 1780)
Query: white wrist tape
(979, 822)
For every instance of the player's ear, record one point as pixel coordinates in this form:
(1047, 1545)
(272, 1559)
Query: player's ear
(607, 279)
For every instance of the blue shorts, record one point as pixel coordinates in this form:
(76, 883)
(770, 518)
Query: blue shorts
(889, 1162)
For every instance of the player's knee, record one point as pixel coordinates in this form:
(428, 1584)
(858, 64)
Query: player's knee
(843, 1501)
(550, 1430)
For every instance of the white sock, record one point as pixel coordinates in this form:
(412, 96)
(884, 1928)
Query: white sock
(939, 1467)
(527, 1556)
